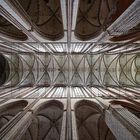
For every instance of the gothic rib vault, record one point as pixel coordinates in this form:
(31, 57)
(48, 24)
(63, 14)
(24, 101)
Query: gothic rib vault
(69, 69)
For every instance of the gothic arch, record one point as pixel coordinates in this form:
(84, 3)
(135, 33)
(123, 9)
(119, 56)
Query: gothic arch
(10, 110)
(90, 122)
(94, 16)
(45, 15)
(10, 31)
(4, 70)
(47, 122)
(15, 64)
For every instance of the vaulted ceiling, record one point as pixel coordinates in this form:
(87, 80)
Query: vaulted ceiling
(70, 21)
(58, 42)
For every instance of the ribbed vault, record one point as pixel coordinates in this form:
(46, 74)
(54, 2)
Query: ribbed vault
(10, 31)
(47, 122)
(54, 51)
(90, 122)
(10, 110)
(46, 16)
(92, 70)
(94, 16)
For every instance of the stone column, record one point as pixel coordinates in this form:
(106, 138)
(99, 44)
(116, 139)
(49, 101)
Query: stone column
(18, 129)
(123, 124)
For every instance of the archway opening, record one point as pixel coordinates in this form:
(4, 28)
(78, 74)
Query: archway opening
(47, 122)
(10, 31)
(90, 122)
(8, 111)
